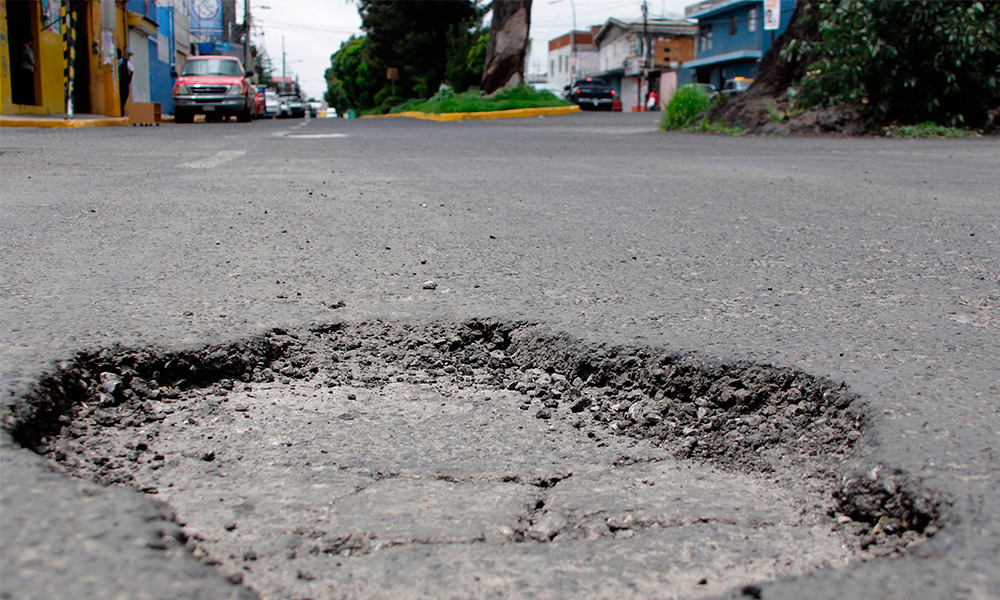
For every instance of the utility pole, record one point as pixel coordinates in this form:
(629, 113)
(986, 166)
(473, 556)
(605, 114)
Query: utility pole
(644, 78)
(572, 43)
(281, 88)
(572, 46)
(247, 55)
(645, 35)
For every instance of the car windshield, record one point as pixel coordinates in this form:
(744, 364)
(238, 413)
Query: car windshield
(211, 66)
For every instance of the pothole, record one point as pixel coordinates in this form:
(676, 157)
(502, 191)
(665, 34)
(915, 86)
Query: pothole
(479, 459)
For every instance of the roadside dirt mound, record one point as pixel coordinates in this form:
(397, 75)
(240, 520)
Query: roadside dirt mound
(481, 458)
(765, 107)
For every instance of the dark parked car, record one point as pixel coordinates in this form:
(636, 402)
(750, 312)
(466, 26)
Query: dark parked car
(591, 92)
(215, 86)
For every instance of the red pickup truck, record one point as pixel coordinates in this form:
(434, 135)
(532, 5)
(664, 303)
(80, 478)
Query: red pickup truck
(214, 86)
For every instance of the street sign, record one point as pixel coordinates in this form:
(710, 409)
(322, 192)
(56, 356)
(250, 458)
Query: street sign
(392, 74)
(772, 14)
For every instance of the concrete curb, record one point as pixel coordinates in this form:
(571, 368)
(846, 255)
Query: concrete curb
(60, 123)
(492, 114)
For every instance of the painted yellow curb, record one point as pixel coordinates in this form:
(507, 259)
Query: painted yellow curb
(491, 114)
(54, 123)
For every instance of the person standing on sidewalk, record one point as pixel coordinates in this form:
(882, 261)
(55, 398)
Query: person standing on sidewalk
(25, 79)
(125, 71)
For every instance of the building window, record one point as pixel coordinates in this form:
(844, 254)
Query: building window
(552, 67)
(705, 38)
(752, 16)
(732, 24)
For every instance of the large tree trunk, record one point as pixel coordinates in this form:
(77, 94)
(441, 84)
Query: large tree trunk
(508, 45)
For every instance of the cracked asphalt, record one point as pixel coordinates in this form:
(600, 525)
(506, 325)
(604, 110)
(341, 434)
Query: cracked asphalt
(870, 261)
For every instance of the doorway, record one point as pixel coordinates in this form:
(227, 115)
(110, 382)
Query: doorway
(81, 66)
(22, 47)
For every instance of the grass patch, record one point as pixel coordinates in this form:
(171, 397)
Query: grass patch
(706, 127)
(928, 130)
(773, 112)
(447, 101)
(687, 102)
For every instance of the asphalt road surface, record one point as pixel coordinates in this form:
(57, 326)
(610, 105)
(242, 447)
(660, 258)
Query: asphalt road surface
(560, 357)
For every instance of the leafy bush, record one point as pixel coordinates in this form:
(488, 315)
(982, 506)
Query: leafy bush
(773, 112)
(908, 61)
(385, 105)
(929, 129)
(687, 102)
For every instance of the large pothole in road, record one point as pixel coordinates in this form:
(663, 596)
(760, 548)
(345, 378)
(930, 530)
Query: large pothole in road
(477, 460)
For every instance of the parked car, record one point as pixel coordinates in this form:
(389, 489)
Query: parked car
(259, 106)
(736, 85)
(215, 86)
(272, 104)
(330, 113)
(708, 88)
(591, 92)
(291, 106)
(314, 108)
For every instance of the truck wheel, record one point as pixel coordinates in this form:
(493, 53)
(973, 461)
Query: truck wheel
(244, 116)
(183, 116)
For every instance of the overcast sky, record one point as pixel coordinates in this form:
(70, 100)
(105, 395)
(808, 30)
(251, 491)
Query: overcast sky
(314, 29)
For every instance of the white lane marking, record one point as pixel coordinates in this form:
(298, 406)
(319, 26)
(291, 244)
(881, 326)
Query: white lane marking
(313, 136)
(214, 161)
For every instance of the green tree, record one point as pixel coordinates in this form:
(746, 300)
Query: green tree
(466, 56)
(414, 37)
(352, 80)
(262, 65)
(908, 61)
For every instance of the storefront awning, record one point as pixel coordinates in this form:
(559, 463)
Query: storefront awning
(721, 58)
(141, 23)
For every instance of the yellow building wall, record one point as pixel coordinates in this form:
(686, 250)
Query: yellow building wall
(49, 66)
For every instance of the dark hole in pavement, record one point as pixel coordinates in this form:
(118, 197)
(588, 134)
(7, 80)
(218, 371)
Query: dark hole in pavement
(487, 457)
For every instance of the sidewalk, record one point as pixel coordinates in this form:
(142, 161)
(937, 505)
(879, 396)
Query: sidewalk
(60, 121)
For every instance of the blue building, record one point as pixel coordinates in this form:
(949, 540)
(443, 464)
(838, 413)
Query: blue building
(731, 39)
(151, 42)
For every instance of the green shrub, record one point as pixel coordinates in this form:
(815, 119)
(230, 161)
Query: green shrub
(385, 105)
(687, 102)
(907, 61)
(773, 112)
(929, 129)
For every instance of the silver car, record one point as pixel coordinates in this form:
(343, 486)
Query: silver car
(291, 106)
(271, 103)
